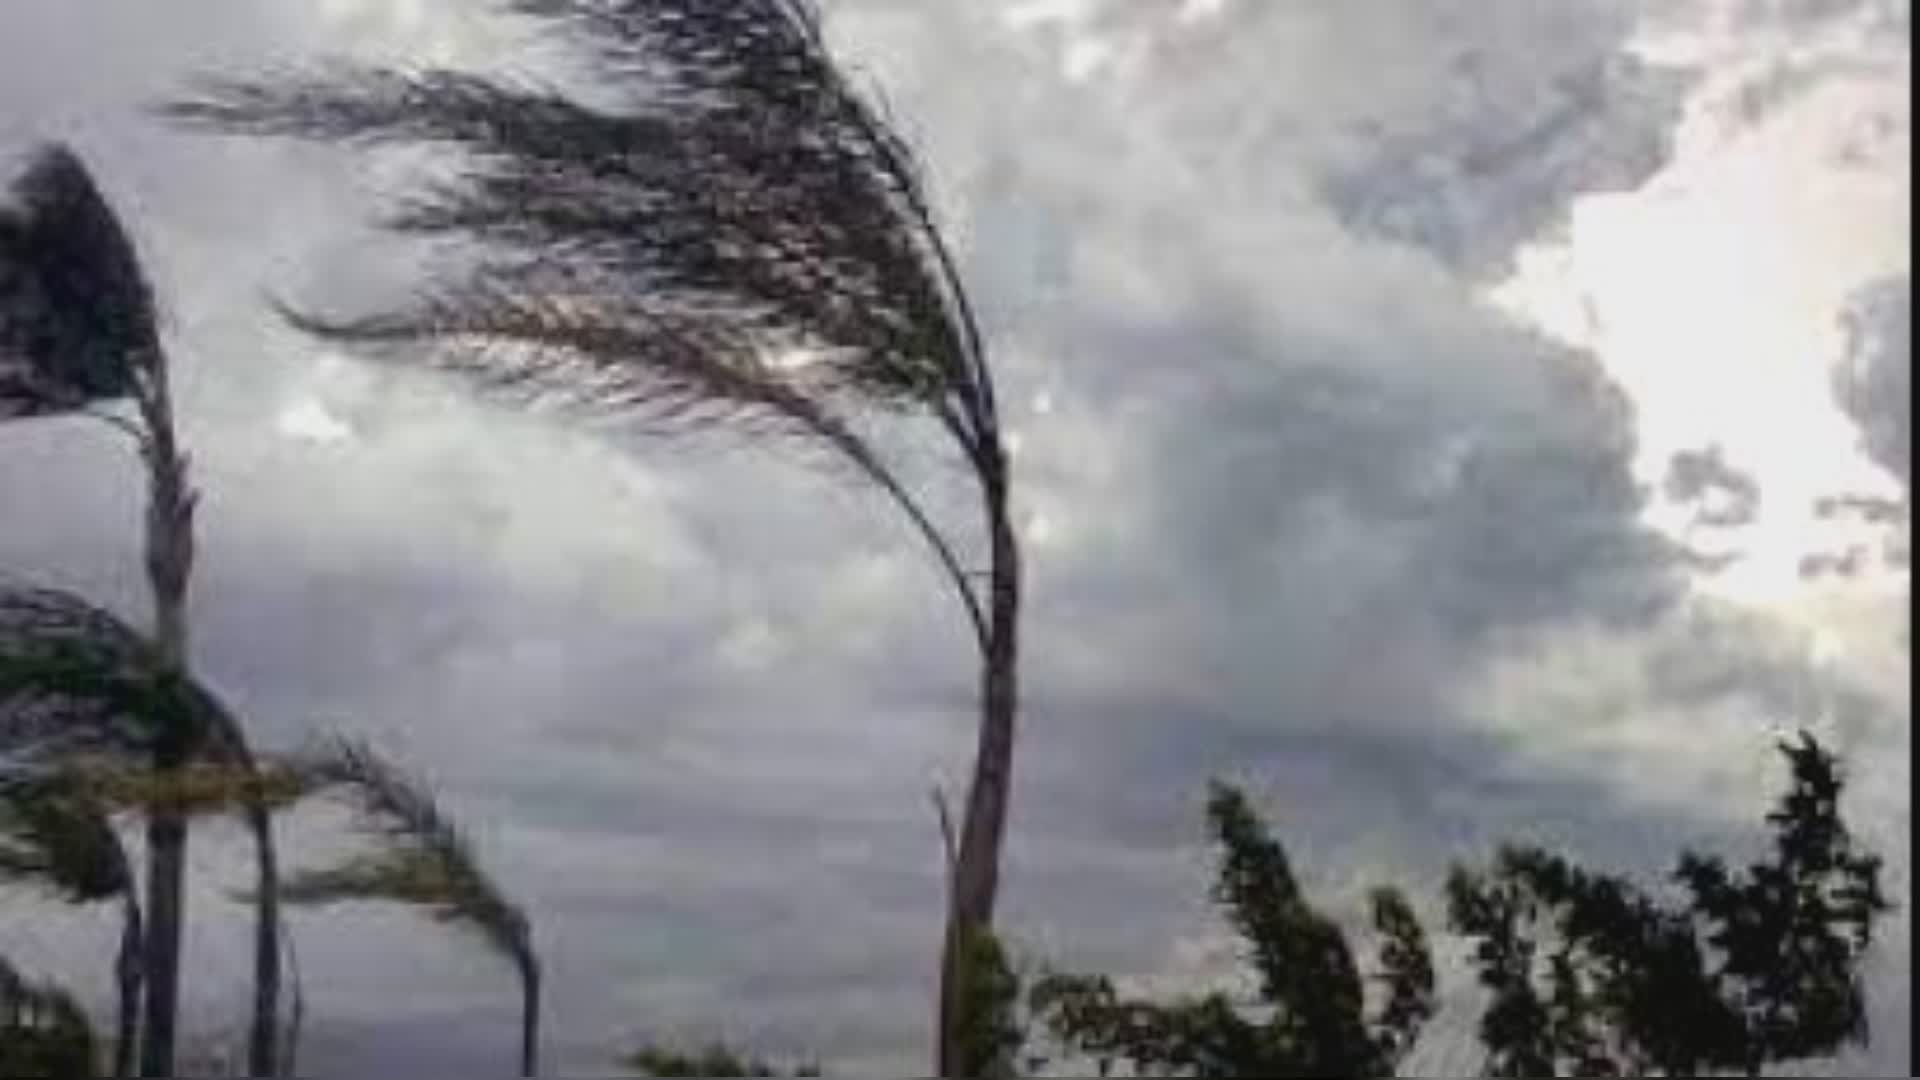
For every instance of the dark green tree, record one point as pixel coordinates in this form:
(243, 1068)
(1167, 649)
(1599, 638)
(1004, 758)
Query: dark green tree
(43, 1030)
(85, 696)
(1590, 975)
(77, 329)
(1311, 1018)
(57, 838)
(730, 235)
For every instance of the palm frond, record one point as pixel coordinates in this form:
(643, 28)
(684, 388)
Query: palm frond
(745, 184)
(422, 858)
(56, 836)
(77, 320)
(43, 1029)
(76, 679)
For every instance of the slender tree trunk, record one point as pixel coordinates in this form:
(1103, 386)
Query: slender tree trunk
(127, 970)
(976, 869)
(261, 1041)
(296, 1011)
(530, 1020)
(169, 559)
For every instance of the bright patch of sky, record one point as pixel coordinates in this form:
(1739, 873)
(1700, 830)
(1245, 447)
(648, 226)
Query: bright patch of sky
(1713, 294)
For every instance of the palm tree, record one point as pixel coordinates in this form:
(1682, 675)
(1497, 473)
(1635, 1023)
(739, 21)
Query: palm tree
(55, 836)
(78, 327)
(421, 859)
(741, 241)
(85, 696)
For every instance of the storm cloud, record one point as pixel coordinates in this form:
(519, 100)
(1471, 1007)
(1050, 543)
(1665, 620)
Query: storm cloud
(1301, 508)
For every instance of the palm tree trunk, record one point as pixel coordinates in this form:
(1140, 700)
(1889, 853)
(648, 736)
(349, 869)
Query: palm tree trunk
(127, 976)
(530, 1020)
(169, 559)
(296, 1010)
(976, 869)
(263, 1035)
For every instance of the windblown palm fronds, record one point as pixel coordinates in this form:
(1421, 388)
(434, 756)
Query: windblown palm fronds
(422, 859)
(54, 835)
(76, 316)
(737, 238)
(43, 1030)
(88, 699)
(78, 326)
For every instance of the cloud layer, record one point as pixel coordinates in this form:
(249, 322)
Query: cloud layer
(1303, 508)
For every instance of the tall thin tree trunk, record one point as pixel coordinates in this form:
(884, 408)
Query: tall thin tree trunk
(976, 869)
(169, 559)
(530, 1020)
(296, 1009)
(127, 970)
(262, 1036)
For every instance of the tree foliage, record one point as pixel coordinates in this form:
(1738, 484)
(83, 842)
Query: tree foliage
(734, 237)
(1589, 975)
(43, 1031)
(421, 858)
(87, 702)
(1311, 1016)
(77, 320)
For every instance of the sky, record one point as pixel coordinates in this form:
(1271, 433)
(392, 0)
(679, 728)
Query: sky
(1456, 420)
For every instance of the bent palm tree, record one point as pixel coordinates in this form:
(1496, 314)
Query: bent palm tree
(77, 327)
(422, 860)
(85, 695)
(742, 240)
(55, 836)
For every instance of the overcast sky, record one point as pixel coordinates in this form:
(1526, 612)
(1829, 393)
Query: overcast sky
(1456, 419)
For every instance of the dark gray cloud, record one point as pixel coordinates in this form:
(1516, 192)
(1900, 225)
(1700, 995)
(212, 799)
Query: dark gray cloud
(1303, 511)
(1874, 382)
(1722, 494)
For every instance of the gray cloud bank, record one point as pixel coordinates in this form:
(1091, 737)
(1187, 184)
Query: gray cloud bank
(1304, 511)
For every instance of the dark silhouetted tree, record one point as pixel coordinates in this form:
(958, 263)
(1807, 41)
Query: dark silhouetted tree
(78, 328)
(43, 1030)
(737, 239)
(1311, 1017)
(85, 697)
(1592, 976)
(57, 838)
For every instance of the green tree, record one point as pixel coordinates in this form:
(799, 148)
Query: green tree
(738, 239)
(78, 328)
(1311, 1017)
(1592, 976)
(85, 696)
(421, 859)
(56, 837)
(43, 1030)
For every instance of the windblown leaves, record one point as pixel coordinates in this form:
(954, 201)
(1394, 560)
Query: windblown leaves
(421, 857)
(43, 1030)
(55, 835)
(744, 202)
(76, 316)
(1591, 976)
(1316, 1021)
(77, 679)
